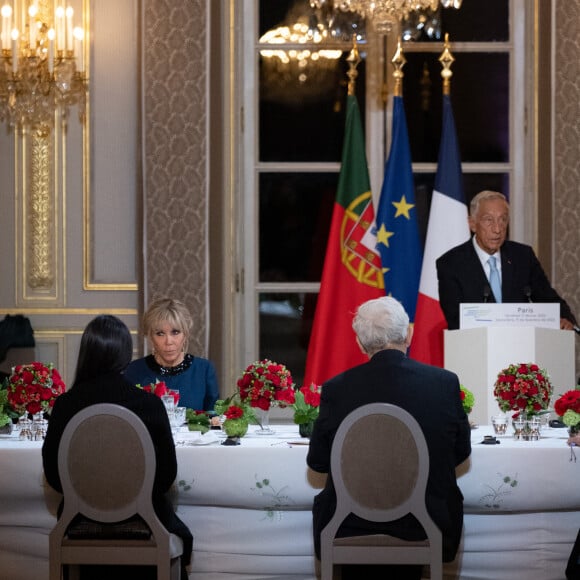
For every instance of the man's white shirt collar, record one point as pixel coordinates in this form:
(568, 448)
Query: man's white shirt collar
(484, 257)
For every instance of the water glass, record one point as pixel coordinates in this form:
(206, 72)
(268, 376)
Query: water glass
(177, 418)
(534, 428)
(169, 403)
(500, 424)
(519, 429)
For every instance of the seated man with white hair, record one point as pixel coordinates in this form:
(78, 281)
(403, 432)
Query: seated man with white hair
(430, 394)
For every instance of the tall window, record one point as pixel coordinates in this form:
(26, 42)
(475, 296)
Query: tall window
(293, 124)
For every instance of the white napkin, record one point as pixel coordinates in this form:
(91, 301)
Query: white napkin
(205, 439)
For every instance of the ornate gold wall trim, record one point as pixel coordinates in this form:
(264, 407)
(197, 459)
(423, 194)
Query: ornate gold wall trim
(40, 273)
(39, 215)
(88, 283)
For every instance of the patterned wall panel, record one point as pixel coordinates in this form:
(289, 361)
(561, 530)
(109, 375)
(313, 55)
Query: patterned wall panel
(175, 163)
(567, 154)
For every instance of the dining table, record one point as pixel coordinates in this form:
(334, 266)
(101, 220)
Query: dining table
(249, 506)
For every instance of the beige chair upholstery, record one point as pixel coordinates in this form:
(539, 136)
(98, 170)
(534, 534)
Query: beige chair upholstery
(379, 465)
(106, 463)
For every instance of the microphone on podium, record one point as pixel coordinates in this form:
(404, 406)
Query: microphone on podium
(486, 293)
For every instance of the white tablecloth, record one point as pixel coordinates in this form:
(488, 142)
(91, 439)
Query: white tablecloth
(249, 508)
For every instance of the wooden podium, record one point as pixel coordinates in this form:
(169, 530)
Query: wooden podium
(477, 355)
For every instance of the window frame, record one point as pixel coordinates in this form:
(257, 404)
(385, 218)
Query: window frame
(244, 101)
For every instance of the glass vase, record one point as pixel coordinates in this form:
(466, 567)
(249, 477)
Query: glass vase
(263, 418)
(235, 427)
(6, 429)
(305, 429)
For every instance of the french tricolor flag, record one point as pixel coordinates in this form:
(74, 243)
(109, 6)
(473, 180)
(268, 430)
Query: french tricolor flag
(446, 229)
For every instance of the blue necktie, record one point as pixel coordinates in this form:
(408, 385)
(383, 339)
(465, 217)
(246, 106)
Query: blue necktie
(494, 279)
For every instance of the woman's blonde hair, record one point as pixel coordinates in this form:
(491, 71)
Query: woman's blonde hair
(167, 310)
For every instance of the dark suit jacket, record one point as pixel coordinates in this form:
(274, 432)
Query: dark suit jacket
(432, 396)
(115, 389)
(462, 279)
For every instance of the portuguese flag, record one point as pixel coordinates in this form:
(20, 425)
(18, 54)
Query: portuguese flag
(352, 270)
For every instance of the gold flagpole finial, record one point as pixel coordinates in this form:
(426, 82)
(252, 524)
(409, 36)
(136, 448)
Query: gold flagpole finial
(446, 59)
(353, 60)
(398, 61)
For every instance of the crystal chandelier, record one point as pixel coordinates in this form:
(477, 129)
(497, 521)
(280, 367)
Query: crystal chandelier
(43, 63)
(385, 14)
(292, 70)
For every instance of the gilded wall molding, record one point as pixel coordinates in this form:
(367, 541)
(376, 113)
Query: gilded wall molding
(120, 35)
(39, 250)
(40, 272)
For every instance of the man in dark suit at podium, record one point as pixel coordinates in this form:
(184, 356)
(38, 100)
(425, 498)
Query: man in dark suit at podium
(489, 268)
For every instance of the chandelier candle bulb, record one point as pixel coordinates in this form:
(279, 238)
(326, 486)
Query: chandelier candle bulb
(32, 11)
(80, 57)
(6, 25)
(69, 29)
(59, 26)
(15, 51)
(50, 63)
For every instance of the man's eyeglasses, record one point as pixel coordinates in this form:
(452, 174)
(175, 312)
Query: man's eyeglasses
(488, 221)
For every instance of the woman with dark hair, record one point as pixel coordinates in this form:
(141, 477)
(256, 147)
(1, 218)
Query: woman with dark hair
(105, 351)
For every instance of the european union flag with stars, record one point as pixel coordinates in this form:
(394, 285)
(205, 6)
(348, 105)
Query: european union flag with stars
(397, 228)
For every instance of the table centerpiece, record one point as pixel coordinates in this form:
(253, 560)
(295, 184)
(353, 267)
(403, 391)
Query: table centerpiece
(237, 416)
(197, 421)
(31, 391)
(467, 399)
(523, 388)
(306, 408)
(567, 406)
(33, 388)
(8, 416)
(160, 389)
(264, 384)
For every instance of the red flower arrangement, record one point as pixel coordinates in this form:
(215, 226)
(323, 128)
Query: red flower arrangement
(306, 404)
(524, 388)
(234, 412)
(265, 383)
(33, 388)
(159, 388)
(467, 399)
(568, 407)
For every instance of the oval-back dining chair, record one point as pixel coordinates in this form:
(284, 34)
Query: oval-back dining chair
(379, 465)
(106, 463)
